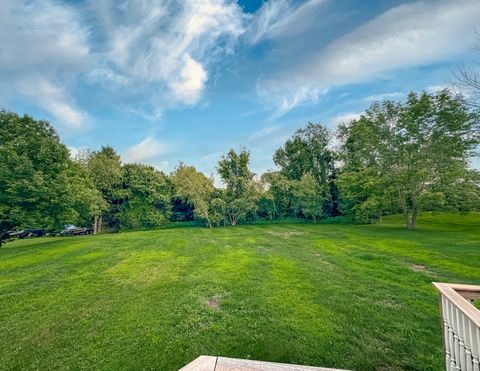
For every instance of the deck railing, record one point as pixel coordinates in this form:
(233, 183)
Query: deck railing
(461, 326)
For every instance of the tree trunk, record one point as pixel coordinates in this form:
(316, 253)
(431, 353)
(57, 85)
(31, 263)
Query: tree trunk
(233, 219)
(405, 217)
(95, 224)
(314, 219)
(413, 221)
(100, 221)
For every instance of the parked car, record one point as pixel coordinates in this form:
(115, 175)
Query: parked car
(76, 231)
(10, 234)
(24, 233)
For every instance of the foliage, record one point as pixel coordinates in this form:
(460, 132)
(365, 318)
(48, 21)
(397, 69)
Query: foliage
(281, 190)
(403, 152)
(309, 197)
(266, 208)
(363, 195)
(217, 211)
(40, 187)
(397, 157)
(195, 188)
(105, 169)
(146, 203)
(307, 152)
(242, 192)
(234, 172)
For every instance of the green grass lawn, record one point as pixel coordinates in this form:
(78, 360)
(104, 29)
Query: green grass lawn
(356, 297)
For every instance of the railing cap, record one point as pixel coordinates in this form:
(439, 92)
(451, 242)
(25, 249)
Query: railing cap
(449, 290)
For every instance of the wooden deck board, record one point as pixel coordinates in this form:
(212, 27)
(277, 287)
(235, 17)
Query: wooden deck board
(202, 363)
(210, 363)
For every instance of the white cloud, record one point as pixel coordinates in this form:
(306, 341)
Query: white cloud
(298, 97)
(283, 102)
(74, 151)
(270, 16)
(265, 132)
(384, 96)
(190, 84)
(436, 88)
(279, 19)
(165, 47)
(148, 149)
(54, 100)
(37, 34)
(150, 55)
(44, 46)
(342, 118)
(162, 166)
(408, 35)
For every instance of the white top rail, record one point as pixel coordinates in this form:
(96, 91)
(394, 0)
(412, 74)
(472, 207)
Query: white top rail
(461, 326)
(457, 294)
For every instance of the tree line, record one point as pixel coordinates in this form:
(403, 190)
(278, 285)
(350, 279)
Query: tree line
(397, 157)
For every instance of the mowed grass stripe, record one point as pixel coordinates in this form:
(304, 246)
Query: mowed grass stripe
(356, 297)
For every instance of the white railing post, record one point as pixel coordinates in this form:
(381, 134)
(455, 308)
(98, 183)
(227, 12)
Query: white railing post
(461, 326)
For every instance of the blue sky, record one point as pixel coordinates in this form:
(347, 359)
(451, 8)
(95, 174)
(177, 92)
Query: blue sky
(168, 81)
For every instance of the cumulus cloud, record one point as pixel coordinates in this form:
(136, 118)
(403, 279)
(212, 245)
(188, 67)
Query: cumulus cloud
(405, 36)
(148, 149)
(44, 46)
(190, 83)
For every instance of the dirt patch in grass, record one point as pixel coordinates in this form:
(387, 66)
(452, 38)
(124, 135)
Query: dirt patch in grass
(389, 303)
(320, 259)
(45, 337)
(422, 269)
(213, 302)
(286, 234)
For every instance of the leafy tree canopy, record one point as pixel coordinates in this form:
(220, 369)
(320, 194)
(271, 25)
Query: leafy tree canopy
(407, 152)
(195, 188)
(307, 152)
(40, 187)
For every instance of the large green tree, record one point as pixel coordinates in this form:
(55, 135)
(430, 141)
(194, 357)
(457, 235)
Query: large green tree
(146, 198)
(309, 151)
(309, 197)
(241, 191)
(217, 210)
(40, 187)
(105, 169)
(195, 188)
(281, 189)
(407, 156)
